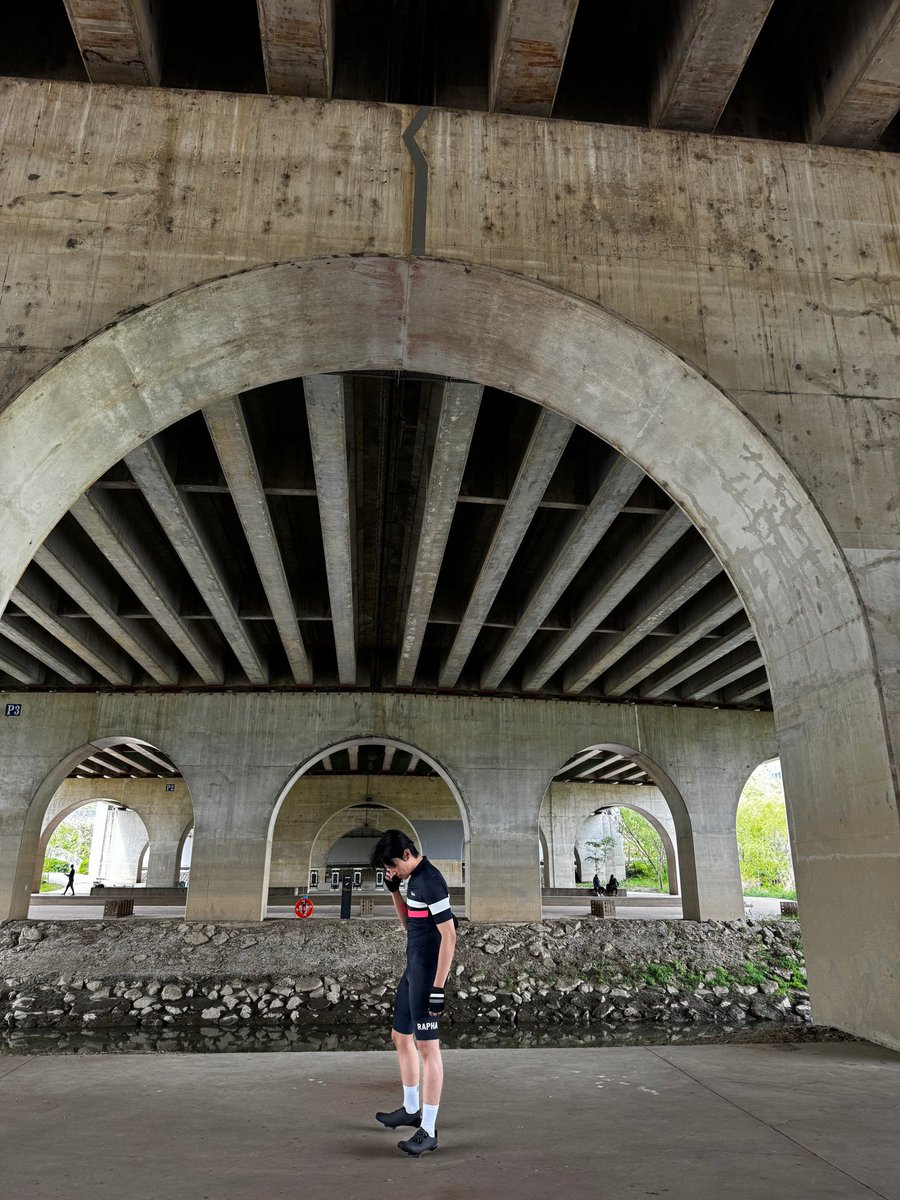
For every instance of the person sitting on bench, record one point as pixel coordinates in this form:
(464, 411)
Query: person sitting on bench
(612, 886)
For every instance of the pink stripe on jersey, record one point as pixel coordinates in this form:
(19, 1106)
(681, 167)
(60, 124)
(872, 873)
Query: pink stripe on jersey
(417, 912)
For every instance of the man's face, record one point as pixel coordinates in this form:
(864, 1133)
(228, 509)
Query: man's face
(400, 868)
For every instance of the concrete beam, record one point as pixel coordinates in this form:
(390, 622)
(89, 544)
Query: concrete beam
(36, 597)
(413, 763)
(327, 417)
(628, 566)
(577, 761)
(298, 46)
(619, 483)
(231, 439)
(97, 516)
(655, 605)
(36, 641)
(701, 60)
(530, 40)
(696, 621)
(459, 411)
(389, 752)
(353, 757)
(736, 633)
(22, 667)
(140, 768)
(855, 84)
(147, 752)
(200, 557)
(78, 578)
(548, 441)
(747, 689)
(718, 676)
(599, 767)
(119, 40)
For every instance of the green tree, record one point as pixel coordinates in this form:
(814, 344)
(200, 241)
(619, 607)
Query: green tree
(762, 832)
(71, 841)
(643, 848)
(598, 852)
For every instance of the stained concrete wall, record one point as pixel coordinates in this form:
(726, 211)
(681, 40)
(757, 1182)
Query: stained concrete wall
(119, 837)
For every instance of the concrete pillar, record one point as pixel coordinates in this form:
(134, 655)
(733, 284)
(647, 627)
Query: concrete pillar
(503, 874)
(711, 887)
(163, 862)
(233, 804)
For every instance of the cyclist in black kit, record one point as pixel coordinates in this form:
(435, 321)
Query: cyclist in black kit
(430, 943)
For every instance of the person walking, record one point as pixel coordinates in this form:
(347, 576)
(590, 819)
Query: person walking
(430, 945)
(71, 879)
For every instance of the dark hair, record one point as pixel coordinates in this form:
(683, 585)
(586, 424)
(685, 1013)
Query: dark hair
(390, 847)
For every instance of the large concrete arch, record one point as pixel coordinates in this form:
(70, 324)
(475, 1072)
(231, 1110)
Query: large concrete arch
(405, 820)
(480, 324)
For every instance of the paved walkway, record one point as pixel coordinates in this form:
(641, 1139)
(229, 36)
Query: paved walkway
(808, 1122)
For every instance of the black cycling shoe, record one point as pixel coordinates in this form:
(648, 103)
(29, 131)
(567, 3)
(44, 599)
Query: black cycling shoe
(393, 1120)
(420, 1143)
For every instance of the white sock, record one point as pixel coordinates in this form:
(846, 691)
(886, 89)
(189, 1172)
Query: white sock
(429, 1118)
(411, 1098)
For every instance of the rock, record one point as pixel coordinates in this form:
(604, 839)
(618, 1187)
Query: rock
(94, 985)
(212, 1014)
(31, 933)
(172, 992)
(220, 938)
(196, 938)
(144, 1002)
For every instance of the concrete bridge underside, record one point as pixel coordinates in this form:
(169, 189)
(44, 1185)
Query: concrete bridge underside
(513, 419)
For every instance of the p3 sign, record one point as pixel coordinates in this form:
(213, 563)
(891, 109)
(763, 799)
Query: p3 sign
(13, 710)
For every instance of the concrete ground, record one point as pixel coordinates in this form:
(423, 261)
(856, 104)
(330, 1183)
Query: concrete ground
(809, 1122)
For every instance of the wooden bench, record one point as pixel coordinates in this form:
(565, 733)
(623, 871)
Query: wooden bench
(120, 907)
(789, 908)
(603, 906)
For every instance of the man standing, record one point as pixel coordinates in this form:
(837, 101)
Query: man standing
(430, 943)
(70, 875)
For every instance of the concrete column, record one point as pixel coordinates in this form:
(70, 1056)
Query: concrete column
(711, 886)
(503, 874)
(229, 878)
(163, 862)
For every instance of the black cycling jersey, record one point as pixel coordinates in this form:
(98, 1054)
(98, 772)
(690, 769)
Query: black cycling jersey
(427, 906)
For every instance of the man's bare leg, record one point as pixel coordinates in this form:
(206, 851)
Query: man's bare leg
(408, 1058)
(432, 1072)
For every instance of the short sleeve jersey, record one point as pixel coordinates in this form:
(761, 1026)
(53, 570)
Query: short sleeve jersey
(427, 906)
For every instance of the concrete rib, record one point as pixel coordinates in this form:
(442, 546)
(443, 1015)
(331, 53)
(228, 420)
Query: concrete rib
(736, 633)
(733, 666)
(37, 642)
(700, 63)
(119, 43)
(549, 440)
(231, 439)
(459, 412)
(36, 597)
(630, 564)
(697, 620)
(855, 90)
(698, 569)
(747, 689)
(530, 41)
(96, 515)
(297, 39)
(71, 571)
(326, 415)
(21, 668)
(199, 556)
(621, 480)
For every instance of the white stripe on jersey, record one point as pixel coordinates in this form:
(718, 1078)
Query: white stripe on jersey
(439, 906)
(415, 903)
